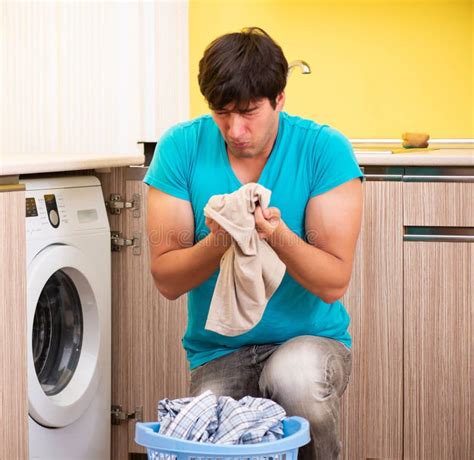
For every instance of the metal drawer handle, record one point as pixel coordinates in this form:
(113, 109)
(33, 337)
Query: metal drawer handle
(435, 234)
(383, 177)
(424, 178)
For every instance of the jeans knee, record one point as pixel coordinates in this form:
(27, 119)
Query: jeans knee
(306, 368)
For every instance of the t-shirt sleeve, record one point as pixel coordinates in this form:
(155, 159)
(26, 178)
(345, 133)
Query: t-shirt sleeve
(334, 163)
(168, 170)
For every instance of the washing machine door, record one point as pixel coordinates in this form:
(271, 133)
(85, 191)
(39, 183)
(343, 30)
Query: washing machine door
(64, 335)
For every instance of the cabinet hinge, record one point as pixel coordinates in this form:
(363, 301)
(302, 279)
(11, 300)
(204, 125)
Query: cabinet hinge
(116, 204)
(118, 415)
(118, 242)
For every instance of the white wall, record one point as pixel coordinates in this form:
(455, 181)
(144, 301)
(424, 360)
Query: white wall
(90, 77)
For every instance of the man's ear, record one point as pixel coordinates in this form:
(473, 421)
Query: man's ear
(280, 101)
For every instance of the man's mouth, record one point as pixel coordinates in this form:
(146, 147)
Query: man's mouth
(238, 145)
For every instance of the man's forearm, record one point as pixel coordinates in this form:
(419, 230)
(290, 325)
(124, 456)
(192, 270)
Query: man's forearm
(318, 271)
(177, 272)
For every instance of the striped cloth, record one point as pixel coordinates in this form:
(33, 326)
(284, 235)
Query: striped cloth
(223, 420)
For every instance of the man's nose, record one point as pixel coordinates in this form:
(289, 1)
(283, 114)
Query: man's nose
(236, 126)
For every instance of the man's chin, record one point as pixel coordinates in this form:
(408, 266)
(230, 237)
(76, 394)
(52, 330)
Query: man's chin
(244, 152)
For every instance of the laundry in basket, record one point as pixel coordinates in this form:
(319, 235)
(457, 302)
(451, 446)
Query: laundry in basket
(221, 420)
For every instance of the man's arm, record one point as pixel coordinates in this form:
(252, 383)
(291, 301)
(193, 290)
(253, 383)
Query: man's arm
(177, 265)
(332, 222)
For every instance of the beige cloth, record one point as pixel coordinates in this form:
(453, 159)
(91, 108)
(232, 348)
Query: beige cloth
(250, 270)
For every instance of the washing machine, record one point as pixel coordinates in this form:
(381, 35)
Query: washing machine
(69, 319)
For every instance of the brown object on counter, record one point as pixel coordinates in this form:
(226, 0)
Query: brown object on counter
(415, 140)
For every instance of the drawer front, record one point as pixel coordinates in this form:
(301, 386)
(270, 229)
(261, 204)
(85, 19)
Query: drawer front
(449, 204)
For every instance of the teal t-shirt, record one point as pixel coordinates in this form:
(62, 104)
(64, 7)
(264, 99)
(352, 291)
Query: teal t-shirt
(308, 159)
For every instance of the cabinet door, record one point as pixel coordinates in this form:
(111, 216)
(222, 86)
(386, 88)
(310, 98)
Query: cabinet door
(148, 360)
(91, 78)
(372, 406)
(73, 71)
(113, 182)
(438, 320)
(13, 337)
(158, 366)
(439, 287)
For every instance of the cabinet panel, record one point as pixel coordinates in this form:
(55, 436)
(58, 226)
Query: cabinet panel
(438, 350)
(91, 78)
(114, 182)
(372, 407)
(72, 78)
(157, 362)
(148, 360)
(13, 341)
(438, 204)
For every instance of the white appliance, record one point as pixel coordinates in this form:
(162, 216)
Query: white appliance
(69, 319)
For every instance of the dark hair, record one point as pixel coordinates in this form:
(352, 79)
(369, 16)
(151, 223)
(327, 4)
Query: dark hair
(242, 67)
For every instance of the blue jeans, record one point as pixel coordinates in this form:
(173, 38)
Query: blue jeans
(306, 375)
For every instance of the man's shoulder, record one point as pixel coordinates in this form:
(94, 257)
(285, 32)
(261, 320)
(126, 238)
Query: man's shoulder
(307, 127)
(191, 127)
(321, 139)
(303, 125)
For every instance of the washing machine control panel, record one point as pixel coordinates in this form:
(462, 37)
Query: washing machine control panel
(55, 212)
(48, 210)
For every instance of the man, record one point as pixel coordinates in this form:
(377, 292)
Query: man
(299, 353)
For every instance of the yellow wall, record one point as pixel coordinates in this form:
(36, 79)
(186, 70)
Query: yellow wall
(380, 68)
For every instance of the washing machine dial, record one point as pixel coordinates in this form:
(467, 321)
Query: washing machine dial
(52, 210)
(54, 218)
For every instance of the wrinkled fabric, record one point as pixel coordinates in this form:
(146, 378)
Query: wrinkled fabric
(250, 270)
(221, 420)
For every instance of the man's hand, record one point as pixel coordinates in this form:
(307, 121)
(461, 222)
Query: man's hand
(267, 221)
(213, 226)
(222, 236)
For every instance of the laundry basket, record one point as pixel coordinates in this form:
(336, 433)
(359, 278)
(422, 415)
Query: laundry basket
(159, 447)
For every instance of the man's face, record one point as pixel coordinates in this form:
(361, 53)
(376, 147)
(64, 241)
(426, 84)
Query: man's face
(252, 132)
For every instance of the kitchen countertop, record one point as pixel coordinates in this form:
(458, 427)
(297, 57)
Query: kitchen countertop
(33, 164)
(30, 164)
(441, 157)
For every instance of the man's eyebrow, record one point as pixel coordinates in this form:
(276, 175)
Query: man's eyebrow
(242, 110)
(250, 109)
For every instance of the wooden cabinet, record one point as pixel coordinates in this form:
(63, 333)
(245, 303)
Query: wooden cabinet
(438, 321)
(148, 360)
(438, 204)
(411, 305)
(438, 350)
(90, 78)
(13, 351)
(72, 71)
(372, 406)
(158, 364)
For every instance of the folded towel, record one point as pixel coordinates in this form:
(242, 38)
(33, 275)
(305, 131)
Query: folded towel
(250, 270)
(223, 420)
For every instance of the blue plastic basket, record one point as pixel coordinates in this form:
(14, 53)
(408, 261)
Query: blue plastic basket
(159, 447)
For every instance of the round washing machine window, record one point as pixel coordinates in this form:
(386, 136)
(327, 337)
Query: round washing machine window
(66, 330)
(57, 333)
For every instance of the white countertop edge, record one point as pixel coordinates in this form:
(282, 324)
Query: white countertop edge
(31, 165)
(413, 160)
